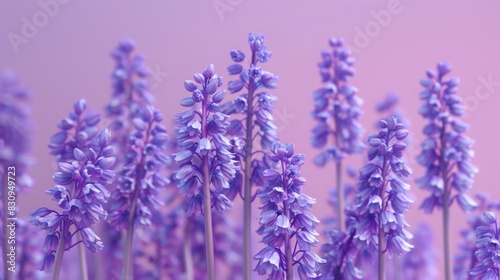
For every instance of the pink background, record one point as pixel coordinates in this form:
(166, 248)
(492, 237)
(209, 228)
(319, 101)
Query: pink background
(68, 58)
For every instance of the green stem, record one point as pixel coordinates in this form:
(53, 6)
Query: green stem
(247, 186)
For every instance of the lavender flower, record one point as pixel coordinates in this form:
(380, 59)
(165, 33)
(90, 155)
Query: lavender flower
(487, 249)
(130, 91)
(336, 109)
(420, 262)
(465, 259)
(256, 105)
(381, 201)
(446, 152)
(85, 159)
(15, 130)
(286, 214)
(135, 200)
(206, 164)
(15, 145)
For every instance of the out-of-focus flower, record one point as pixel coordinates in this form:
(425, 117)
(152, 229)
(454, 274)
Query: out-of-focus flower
(446, 152)
(420, 262)
(336, 107)
(131, 92)
(487, 249)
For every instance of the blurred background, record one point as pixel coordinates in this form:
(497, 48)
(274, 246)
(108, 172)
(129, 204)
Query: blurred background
(61, 51)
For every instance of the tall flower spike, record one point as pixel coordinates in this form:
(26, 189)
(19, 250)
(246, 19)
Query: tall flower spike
(337, 110)
(381, 201)
(446, 152)
(130, 91)
(85, 160)
(286, 225)
(256, 106)
(136, 200)
(15, 145)
(487, 249)
(206, 164)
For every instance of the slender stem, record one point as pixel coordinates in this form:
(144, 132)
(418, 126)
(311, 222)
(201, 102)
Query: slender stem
(127, 273)
(381, 233)
(340, 187)
(188, 257)
(247, 187)
(340, 197)
(446, 207)
(61, 247)
(288, 246)
(207, 205)
(347, 247)
(83, 262)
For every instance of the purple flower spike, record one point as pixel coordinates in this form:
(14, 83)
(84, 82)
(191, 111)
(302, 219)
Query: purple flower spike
(140, 176)
(337, 107)
(85, 160)
(420, 263)
(206, 162)
(202, 134)
(255, 107)
(286, 225)
(131, 91)
(381, 200)
(446, 152)
(15, 130)
(336, 111)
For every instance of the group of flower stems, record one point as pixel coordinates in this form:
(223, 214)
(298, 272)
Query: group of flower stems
(122, 174)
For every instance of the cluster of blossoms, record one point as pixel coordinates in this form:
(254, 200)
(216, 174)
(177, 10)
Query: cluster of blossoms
(204, 151)
(130, 90)
(465, 259)
(337, 107)
(420, 262)
(340, 253)
(140, 178)
(446, 152)
(286, 216)
(85, 159)
(487, 249)
(381, 201)
(252, 103)
(15, 129)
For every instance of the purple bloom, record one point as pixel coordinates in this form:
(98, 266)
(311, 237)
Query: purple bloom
(201, 135)
(15, 129)
(85, 161)
(140, 177)
(285, 215)
(336, 107)
(446, 152)
(487, 249)
(253, 79)
(381, 200)
(420, 262)
(131, 91)
(465, 259)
